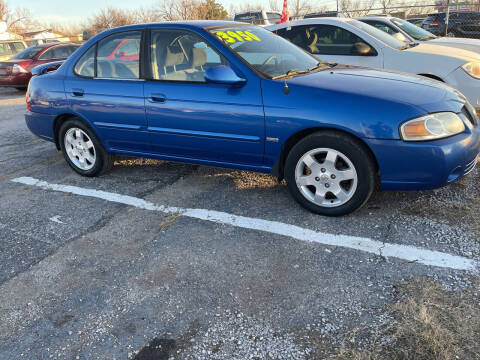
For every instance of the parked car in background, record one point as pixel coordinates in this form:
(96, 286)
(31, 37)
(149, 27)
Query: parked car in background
(349, 41)
(234, 95)
(16, 72)
(460, 24)
(324, 14)
(35, 42)
(258, 17)
(403, 30)
(9, 48)
(416, 21)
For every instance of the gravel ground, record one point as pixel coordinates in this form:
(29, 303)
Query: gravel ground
(107, 281)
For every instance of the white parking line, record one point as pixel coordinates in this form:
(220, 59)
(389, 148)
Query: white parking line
(404, 252)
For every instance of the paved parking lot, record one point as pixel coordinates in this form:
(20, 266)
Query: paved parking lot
(162, 260)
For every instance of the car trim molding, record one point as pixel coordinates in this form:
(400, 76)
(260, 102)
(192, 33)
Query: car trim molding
(116, 125)
(204, 134)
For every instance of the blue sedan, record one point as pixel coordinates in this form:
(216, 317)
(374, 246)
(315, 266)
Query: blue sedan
(237, 96)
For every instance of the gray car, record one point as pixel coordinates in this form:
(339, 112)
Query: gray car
(408, 32)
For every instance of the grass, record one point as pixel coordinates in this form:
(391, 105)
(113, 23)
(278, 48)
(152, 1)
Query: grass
(429, 323)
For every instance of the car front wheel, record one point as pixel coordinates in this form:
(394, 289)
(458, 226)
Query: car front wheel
(330, 173)
(82, 150)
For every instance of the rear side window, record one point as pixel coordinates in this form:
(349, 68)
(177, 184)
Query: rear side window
(18, 46)
(85, 66)
(114, 57)
(57, 52)
(61, 52)
(118, 56)
(49, 54)
(5, 49)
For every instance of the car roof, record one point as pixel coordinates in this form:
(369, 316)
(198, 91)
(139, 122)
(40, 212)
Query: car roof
(49, 45)
(375, 17)
(11, 40)
(311, 21)
(198, 24)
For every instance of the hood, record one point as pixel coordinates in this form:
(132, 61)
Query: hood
(452, 40)
(461, 43)
(435, 49)
(384, 84)
(368, 102)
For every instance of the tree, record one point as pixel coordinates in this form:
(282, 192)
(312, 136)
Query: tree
(211, 10)
(4, 11)
(110, 17)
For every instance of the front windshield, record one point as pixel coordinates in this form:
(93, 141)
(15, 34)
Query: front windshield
(28, 53)
(266, 52)
(379, 34)
(414, 31)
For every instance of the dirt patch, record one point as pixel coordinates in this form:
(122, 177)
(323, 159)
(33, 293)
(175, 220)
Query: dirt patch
(427, 322)
(451, 213)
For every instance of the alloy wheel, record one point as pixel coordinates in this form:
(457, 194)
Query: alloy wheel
(80, 148)
(326, 177)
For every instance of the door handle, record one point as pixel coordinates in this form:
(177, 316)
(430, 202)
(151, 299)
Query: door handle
(157, 98)
(78, 92)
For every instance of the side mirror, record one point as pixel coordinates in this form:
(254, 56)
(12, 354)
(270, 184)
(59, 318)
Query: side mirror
(400, 36)
(360, 48)
(223, 75)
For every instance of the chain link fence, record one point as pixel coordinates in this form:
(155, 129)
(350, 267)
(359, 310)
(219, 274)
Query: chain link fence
(449, 19)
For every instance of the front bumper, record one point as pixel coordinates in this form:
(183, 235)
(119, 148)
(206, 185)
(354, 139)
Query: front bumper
(467, 85)
(17, 80)
(425, 165)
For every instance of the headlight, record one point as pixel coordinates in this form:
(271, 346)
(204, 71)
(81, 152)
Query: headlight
(472, 69)
(432, 127)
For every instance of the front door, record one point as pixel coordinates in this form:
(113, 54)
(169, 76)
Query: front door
(189, 118)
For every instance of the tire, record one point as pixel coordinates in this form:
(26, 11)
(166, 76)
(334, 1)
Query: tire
(77, 142)
(341, 176)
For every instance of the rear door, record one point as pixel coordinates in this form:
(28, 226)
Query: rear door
(107, 91)
(332, 43)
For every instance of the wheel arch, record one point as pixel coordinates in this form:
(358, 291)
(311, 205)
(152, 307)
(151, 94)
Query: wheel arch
(60, 119)
(431, 76)
(279, 167)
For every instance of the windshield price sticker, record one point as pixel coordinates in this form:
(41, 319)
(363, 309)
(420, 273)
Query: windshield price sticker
(232, 37)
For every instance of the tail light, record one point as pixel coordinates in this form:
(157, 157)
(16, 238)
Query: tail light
(434, 23)
(17, 69)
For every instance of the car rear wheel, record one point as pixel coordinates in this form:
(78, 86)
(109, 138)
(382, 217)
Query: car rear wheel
(330, 173)
(82, 149)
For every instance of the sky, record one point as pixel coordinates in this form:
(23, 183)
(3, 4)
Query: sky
(65, 11)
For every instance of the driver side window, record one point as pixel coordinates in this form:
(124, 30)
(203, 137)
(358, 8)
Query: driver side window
(325, 39)
(178, 55)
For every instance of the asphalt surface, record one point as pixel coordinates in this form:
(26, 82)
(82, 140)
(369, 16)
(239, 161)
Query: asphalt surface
(86, 278)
